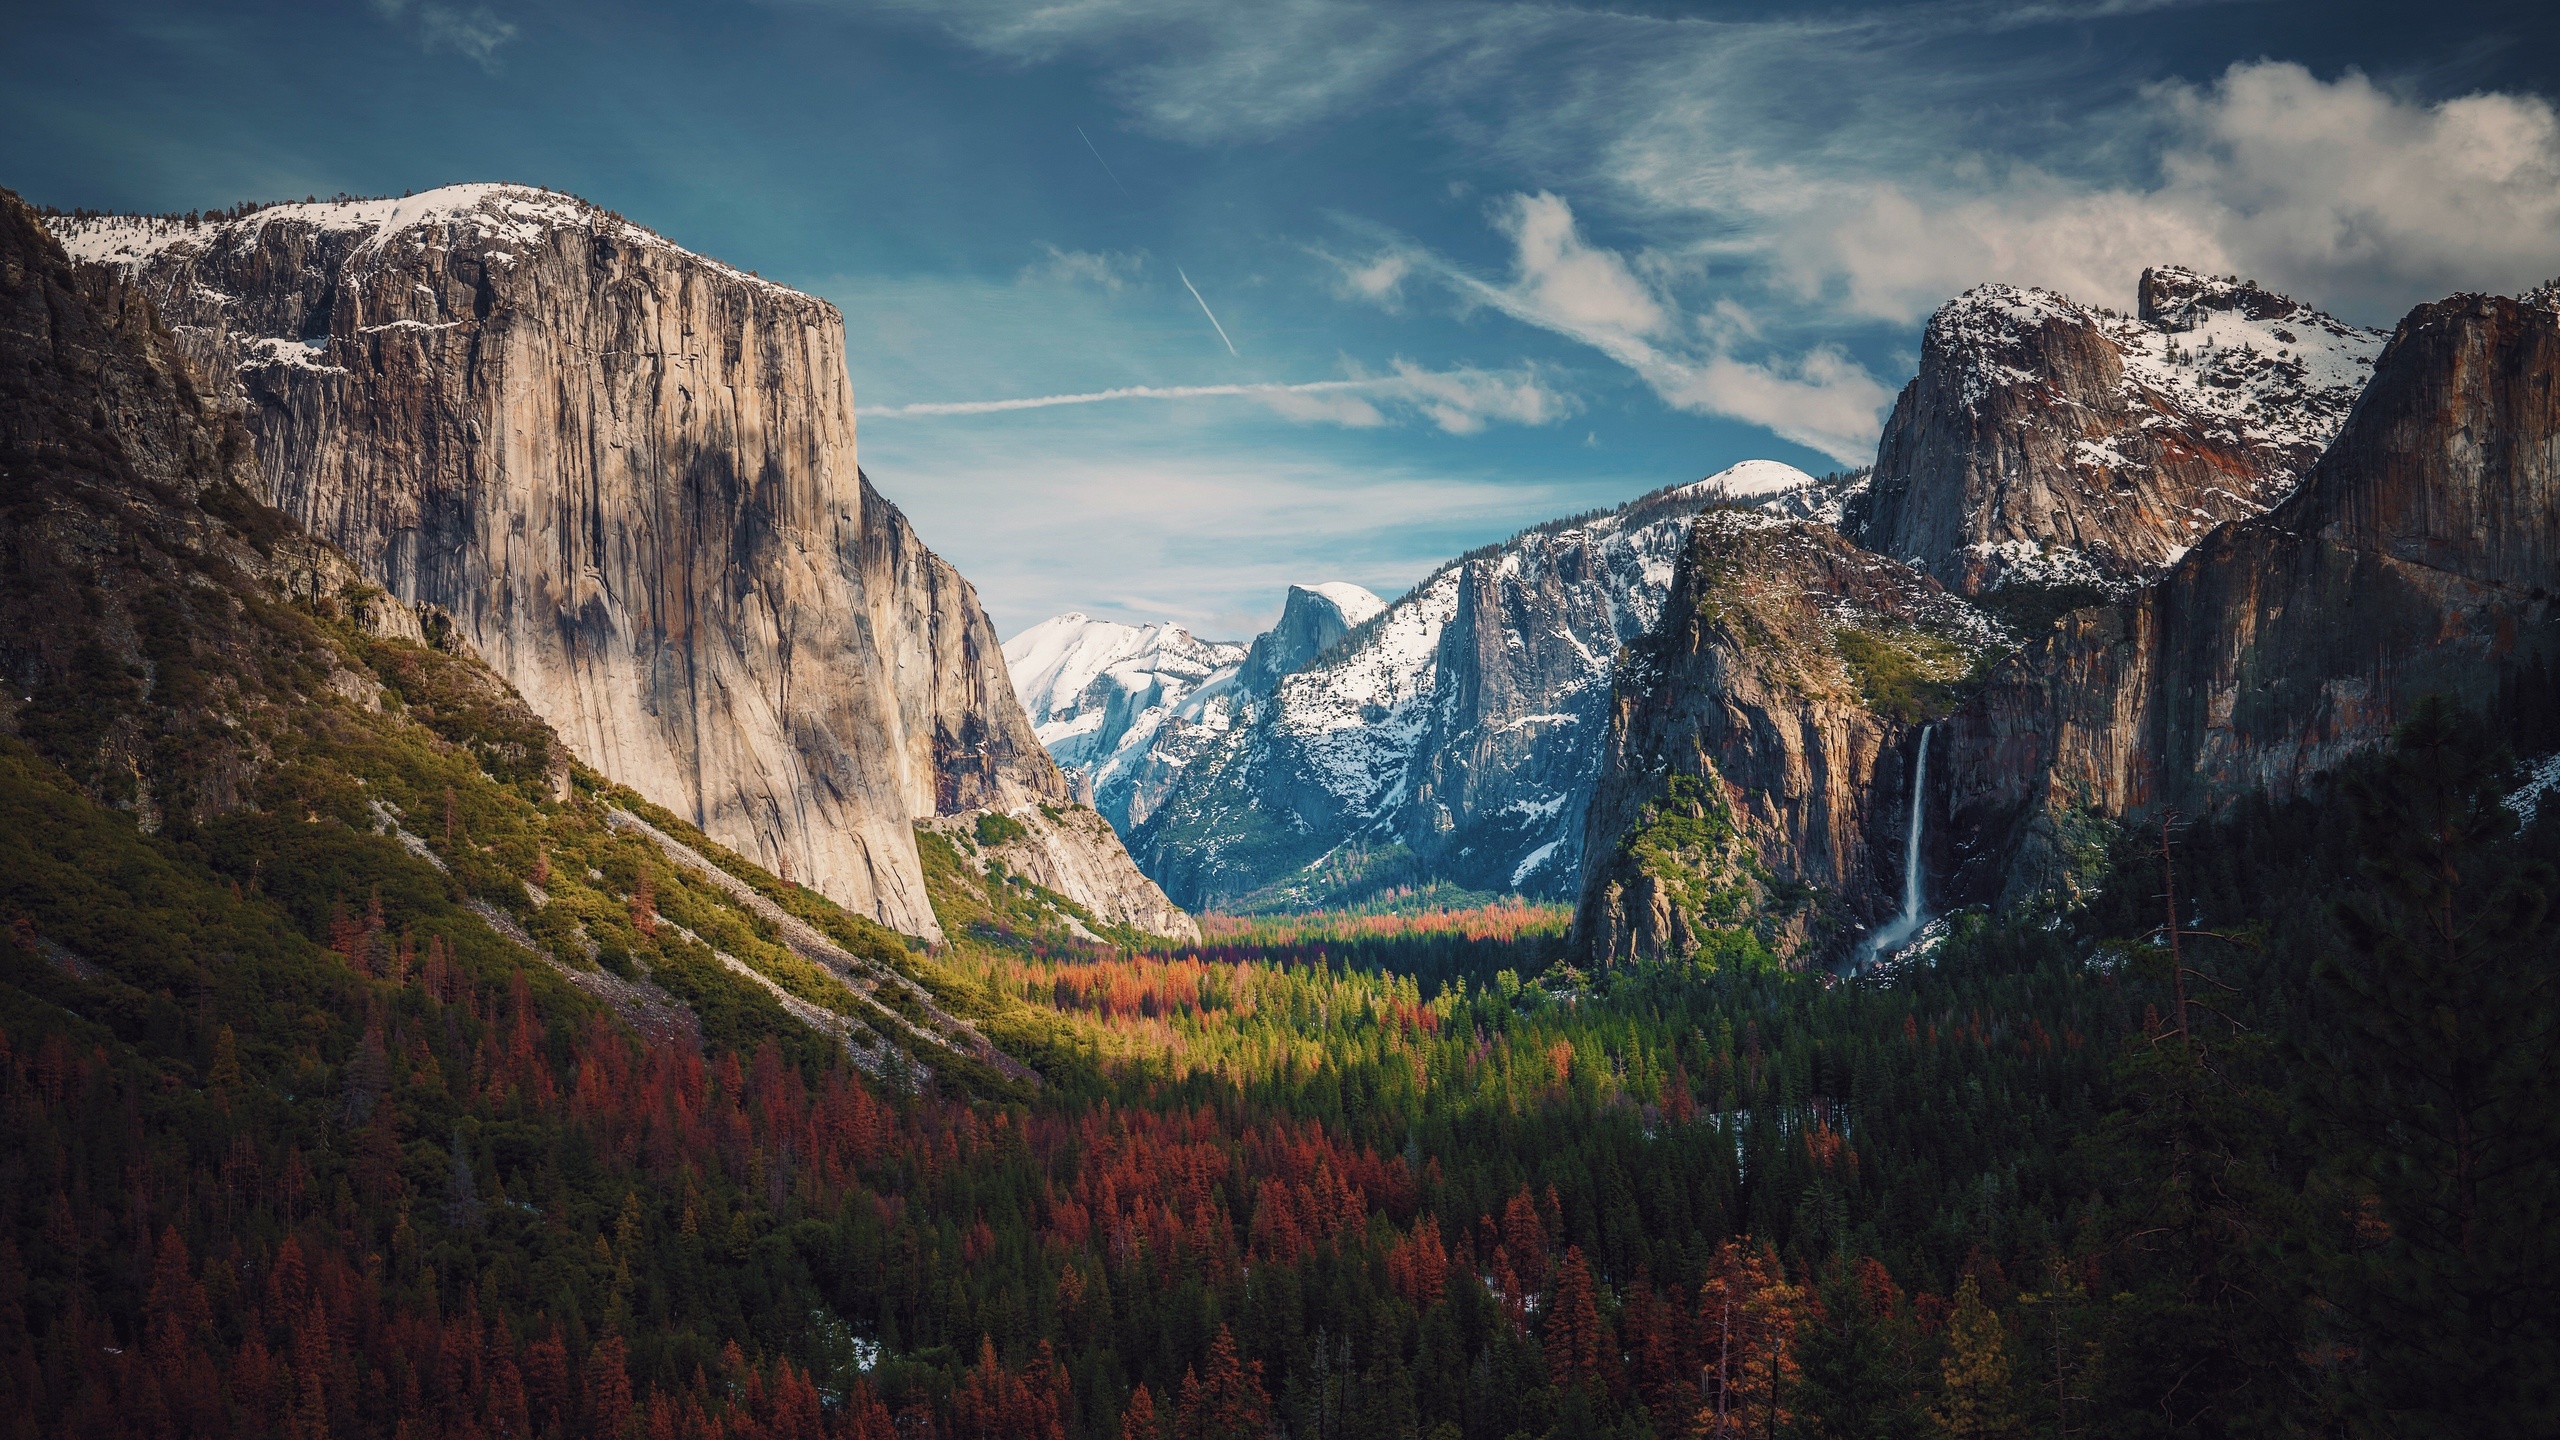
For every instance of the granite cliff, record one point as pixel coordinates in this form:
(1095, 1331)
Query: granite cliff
(625, 475)
(272, 727)
(2053, 444)
(1760, 740)
(2419, 557)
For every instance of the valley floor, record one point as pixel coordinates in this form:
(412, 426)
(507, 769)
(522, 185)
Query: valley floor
(303, 1145)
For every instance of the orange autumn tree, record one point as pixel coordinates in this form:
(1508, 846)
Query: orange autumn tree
(1580, 1349)
(1138, 1422)
(994, 1403)
(1747, 1318)
(1418, 1267)
(1229, 1404)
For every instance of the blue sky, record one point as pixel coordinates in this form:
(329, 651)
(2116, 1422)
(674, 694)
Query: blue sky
(1520, 259)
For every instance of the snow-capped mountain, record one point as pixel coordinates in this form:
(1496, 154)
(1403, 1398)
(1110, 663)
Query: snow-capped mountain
(1124, 708)
(2047, 442)
(1086, 682)
(1454, 736)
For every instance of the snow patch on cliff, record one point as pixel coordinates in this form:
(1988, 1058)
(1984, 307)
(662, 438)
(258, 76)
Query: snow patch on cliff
(500, 214)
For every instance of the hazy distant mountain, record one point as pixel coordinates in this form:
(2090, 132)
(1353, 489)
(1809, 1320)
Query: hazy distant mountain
(1124, 708)
(1453, 737)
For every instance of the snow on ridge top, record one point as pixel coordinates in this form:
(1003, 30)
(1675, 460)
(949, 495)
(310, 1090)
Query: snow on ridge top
(516, 214)
(2260, 366)
(2004, 307)
(1355, 603)
(1054, 662)
(1752, 479)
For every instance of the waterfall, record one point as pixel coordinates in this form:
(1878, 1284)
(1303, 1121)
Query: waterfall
(1897, 931)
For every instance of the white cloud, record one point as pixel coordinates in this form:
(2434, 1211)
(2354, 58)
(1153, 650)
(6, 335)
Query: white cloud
(2335, 191)
(1464, 401)
(1562, 283)
(1579, 286)
(1945, 147)
(2344, 188)
(1687, 203)
(1108, 270)
(1378, 279)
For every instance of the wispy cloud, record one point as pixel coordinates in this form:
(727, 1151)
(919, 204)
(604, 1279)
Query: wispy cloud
(1563, 284)
(1188, 526)
(476, 34)
(1461, 401)
(1945, 148)
(1107, 270)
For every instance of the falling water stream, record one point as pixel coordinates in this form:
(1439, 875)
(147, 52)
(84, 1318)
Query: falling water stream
(1897, 931)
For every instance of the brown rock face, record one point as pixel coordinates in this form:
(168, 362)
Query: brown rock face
(2420, 557)
(1756, 770)
(628, 473)
(2046, 442)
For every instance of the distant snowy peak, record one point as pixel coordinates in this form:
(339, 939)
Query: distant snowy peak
(1313, 619)
(1753, 480)
(1355, 604)
(1124, 709)
(1056, 664)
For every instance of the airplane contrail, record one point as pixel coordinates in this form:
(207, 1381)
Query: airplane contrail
(1205, 310)
(1105, 164)
(1130, 392)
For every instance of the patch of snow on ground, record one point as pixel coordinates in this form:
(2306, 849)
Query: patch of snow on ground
(2540, 779)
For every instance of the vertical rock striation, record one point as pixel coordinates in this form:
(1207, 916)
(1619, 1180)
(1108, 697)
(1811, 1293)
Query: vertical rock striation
(2420, 557)
(2049, 443)
(1755, 772)
(627, 474)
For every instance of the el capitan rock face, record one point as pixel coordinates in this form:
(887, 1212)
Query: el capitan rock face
(2045, 442)
(628, 475)
(2420, 557)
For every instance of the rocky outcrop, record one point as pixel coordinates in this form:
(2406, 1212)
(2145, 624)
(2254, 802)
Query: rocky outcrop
(2048, 443)
(2420, 557)
(627, 474)
(1759, 742)
(1313, 619)
(1451, 739)
(1069, 849)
